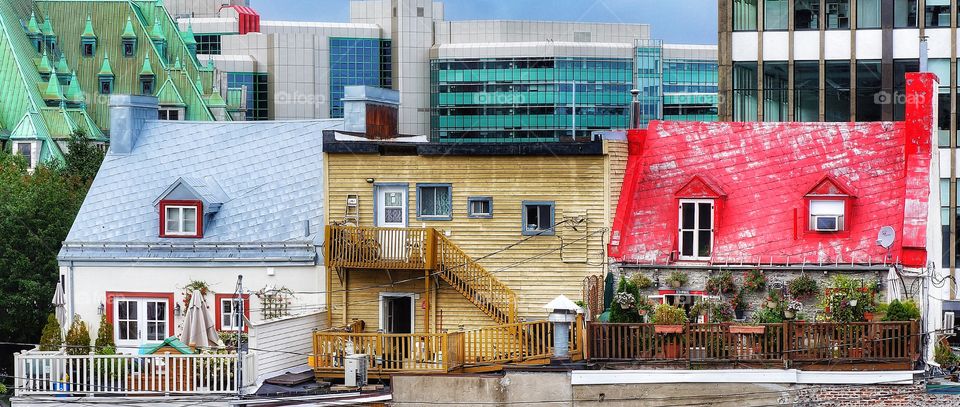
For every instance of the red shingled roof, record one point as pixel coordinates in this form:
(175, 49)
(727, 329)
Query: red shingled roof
(759, 175)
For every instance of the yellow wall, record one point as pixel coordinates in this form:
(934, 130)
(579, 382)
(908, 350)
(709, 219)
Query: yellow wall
(537, 268)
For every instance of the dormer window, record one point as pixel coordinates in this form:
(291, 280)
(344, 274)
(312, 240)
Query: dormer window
(183, 219)
(146, 85)
(696, 229)
(106, 85)
(129, 47)
(88, 48)
(828, 204)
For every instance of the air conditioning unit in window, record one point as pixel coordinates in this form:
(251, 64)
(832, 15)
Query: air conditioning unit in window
(949, 322)
(826, 223)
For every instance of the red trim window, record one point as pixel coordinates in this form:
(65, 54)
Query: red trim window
(181, 219)
(228, 316)
(140, 317)
(827, 207)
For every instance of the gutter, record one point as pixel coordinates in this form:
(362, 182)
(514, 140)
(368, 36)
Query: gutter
(850, 268)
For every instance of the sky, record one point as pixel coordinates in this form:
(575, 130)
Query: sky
(674, 21)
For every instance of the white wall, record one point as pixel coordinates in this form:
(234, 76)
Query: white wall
(281, 345)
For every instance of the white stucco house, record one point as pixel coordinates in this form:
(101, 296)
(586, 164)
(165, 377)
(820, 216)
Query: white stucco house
(178, 202)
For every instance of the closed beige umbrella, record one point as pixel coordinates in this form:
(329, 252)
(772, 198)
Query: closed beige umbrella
(199, 329)
(59, 304)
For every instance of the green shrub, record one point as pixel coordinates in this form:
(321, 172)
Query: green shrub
(51, 339)
(641, 281)
(721, 283)
(104, 334)
(666, 314)
(78, 338)
(624, 305)
(803, 287)
(766, 315)
(944, 356)
(847, 299)
(902, 311)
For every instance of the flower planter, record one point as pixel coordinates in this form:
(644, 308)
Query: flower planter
(671, 350)
(789, 314)
(676, 284)
(668, 329)
(856, 353)
(868, 316)
(771, 304)
(747, 329)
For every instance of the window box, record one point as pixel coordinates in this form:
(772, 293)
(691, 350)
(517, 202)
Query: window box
(181, 219)
(434, 202)
(480, 207)
(538, 218)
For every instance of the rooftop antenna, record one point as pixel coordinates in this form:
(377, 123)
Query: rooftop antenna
(885, 239)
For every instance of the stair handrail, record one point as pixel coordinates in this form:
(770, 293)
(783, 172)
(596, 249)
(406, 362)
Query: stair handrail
(488, 285)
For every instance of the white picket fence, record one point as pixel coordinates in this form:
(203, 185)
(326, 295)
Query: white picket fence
(52, 373)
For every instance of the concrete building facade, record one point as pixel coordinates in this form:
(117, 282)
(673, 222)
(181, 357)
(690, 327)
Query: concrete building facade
(485, 81)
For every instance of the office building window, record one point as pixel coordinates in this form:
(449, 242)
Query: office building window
(806, 14)
(900, 69)
(837, 14)
(775, 91)
(386, 64)
(745, 15)
(775, 15)
(945, 219)
(353, 61)
(937, 13)
(745, 91)
(904, 13)
(868, 13)
(806, 85)
(836, 84)
(870, 94)
(941, 67)
(257, 95)
(208, 44)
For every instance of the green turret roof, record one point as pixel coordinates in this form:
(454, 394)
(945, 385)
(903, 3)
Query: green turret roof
(215, 100)
(44, 65)
(74, 94)
(62, 65)
(188, 36)
(32, 26)
(53, 91)
(47, 28)
(147, 68)
(199, 84)
(128, 30)
(177, 65)
(88, 29)
(105, 69)
(157, 32)
(169, 95)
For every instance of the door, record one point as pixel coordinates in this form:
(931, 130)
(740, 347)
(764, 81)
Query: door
(140, 320)
(397, 314)
(391, 212)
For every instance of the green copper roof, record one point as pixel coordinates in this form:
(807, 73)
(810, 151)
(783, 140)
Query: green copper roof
(178, 66)
(74, 94)
(188, 37)
(28, 127)
(47, 29)
(157, 33)
(128, 30)
(52, 91)
(172, 342)
(105, 68)
(44, 65)
(169, 95)
(199, 84)
(215, 100)
(88, 29)
(32, 26)
(147, 68)
(62, 65)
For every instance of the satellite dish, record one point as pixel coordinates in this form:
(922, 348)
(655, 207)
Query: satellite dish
(886, 237)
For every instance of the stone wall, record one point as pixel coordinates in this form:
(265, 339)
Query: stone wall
(874, 396)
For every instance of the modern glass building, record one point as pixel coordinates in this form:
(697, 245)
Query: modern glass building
(676, 82)
(353, 61)
(257, 92)
(528, 99)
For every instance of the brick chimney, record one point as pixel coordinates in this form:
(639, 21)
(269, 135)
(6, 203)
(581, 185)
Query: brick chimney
(127, 116)
(921, 210)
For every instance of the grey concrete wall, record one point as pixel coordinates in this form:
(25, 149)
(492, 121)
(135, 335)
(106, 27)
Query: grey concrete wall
(510, 388)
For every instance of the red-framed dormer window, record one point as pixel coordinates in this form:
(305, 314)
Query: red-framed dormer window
(698, 203)
(181, 219)
(228, 312)
(827, 207)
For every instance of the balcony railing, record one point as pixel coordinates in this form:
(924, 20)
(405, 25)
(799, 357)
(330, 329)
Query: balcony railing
(380, 248)
(520, 342)
(389, 353)
(54, 373)
(893, 345)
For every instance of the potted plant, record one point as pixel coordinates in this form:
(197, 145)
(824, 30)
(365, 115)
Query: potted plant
(624, 306)
(669, 320)
(677, 279)
(739, 304)
(720, 284)
(802, 287)
(713, 311)
(754, 280)
(792, 308)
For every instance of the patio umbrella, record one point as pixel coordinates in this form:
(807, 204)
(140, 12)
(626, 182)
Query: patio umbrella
(894, 289)
(199, 329)
(60, 305)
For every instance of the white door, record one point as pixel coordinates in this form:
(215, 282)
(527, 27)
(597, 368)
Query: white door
(391, 210)
(140, 320)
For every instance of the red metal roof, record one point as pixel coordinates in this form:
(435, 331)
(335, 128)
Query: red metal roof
(759, 175)
(249, 19)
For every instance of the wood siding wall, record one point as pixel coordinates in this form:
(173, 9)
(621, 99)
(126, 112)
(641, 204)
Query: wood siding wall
(287, 335)
(535, 269)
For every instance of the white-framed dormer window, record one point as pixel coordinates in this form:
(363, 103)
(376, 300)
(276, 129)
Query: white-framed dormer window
(181, 219)
(827, 215)
(170, 113)
(696, 219)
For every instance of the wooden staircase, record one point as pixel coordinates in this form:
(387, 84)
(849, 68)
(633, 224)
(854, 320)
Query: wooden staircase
(474, 282)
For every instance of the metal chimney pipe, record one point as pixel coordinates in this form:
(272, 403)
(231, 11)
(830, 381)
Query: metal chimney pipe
(924, 57)
(635, 109)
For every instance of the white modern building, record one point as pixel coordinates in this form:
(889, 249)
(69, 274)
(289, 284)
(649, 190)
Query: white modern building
(458, 80)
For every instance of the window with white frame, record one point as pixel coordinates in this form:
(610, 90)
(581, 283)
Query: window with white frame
(231, 314)
(169, 114)
(26, 150)
(180, 220)
(696, 229)
(827, 215)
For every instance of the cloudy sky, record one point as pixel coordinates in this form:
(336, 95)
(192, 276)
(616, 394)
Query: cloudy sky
(675, 21)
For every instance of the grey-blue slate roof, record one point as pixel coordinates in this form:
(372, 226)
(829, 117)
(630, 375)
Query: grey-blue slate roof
(266, 177)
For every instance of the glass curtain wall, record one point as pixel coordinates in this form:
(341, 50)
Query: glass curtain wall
(899, 91)
(775, 89)
(806, 14)
(937, 13)
(868, 13)
(870, 95)
(838, 14)
(353, 61)
(775, 14)
(836, 86)
(745, 91)
(806, 94)
(745, 15)
(905, 13)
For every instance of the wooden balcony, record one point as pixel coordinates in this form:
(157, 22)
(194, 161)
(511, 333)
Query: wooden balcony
(809, 346)
(380, 248)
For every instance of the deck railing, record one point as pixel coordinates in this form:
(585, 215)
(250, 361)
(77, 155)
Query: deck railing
(378, 247)
(520, 342)
(797, 343)
(390, 353)
(48, 373)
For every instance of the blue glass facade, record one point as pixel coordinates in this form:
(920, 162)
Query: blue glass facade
(675, 85)
(257, 92)
(353, 61)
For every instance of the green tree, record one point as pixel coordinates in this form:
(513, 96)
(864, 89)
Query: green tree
(104, 335)
(78, 338)
(51, 338)
(83, 158)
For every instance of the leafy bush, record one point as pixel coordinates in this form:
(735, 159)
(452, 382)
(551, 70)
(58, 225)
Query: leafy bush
(754, 280)
(902, 311)
(717, 311)
(720, 284)
(641, 281)
(677, 277)
(104, 335)
(78, 338)
(847, 299)
(194, 285)
(944, 356)
(738, 301)
(766, 315)
(666, 314)
(803, 287)
(51, 339)
(623, 308)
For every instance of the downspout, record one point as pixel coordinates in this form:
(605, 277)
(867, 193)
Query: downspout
(73, 309)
